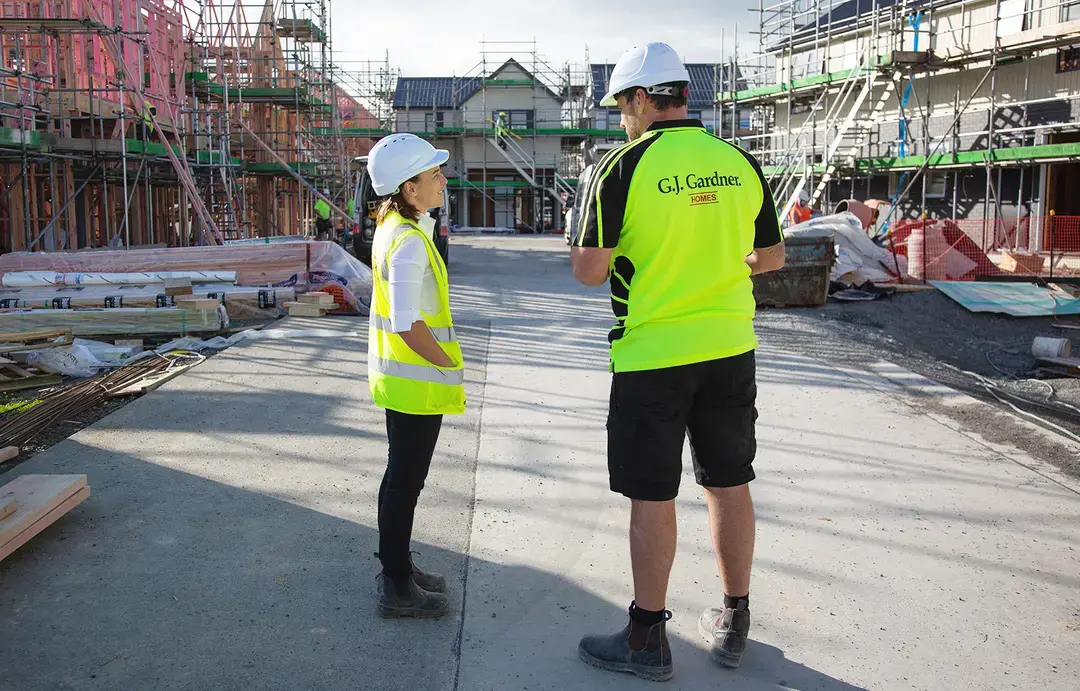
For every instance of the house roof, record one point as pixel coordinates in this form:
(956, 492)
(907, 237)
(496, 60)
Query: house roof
(448, 92)
(434, 92)
(705, 81)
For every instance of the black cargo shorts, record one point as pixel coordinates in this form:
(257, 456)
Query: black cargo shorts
(652, 411)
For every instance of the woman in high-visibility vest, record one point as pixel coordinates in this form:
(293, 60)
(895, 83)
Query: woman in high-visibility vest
(415, 368)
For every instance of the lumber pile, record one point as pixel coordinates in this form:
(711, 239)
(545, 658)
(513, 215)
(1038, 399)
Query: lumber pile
(31, 503)
(315, 304)
(241, 302)
(304, 266)
(116, 321)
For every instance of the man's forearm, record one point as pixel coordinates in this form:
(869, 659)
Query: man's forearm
(423, 343)
(766, 259)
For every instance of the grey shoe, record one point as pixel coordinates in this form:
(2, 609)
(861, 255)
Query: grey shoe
(431, 582)
(726, 630)
(409, 600)
(614, 654)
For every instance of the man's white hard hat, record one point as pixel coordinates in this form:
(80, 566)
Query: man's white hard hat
(400, 157)
(646, 65)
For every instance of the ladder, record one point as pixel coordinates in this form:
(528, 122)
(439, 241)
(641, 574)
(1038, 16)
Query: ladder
(869, 78)
(526, 168)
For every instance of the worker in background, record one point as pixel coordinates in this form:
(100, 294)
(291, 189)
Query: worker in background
(500, 129)
(800, 212)
(679, 220)
(148, 122)
(415, 368)
(323, 225)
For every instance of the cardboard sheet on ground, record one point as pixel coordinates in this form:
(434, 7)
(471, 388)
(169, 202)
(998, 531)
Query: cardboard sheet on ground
(1015, 299)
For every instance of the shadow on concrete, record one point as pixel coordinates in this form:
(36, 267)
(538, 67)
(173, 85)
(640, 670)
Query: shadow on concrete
(167, 580)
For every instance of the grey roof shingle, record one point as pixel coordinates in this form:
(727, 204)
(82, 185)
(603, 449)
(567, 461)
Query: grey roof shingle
(434, 92)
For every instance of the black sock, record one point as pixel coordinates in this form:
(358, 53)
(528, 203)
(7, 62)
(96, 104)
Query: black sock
(740, 602)
(646, 617)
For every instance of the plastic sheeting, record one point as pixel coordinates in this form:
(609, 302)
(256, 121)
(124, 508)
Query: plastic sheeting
(24, 279)
(858, 259)
(304, 266)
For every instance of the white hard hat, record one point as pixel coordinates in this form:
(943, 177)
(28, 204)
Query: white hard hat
(644, 66)
(400, 157)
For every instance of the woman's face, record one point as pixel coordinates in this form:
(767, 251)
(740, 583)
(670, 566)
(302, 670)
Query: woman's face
(426, 191)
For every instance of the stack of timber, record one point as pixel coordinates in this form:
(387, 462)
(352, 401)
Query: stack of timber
(303, 266)
(241, 302)
(120, 321)
(31, 503)
(315, 304)
(15, 376)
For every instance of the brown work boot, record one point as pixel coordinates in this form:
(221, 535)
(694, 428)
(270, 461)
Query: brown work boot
(407, 599)
(726, 630)
(614, 654)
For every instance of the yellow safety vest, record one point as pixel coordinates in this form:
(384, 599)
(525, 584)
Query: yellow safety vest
(399, 378)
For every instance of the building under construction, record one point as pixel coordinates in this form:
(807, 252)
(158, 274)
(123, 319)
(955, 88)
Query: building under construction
(944, 109)
(170, 122)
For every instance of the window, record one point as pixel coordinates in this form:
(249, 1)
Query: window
(433, 120)
(515, 119)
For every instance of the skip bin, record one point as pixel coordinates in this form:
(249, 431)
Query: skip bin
(804, 280)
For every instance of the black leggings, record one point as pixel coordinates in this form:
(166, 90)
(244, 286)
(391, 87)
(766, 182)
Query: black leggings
(412, 443)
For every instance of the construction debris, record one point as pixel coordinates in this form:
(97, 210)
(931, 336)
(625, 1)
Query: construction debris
(71, 400)
(39, 501)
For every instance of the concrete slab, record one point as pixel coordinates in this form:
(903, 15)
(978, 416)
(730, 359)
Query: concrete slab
(229, 539)
(893, 551)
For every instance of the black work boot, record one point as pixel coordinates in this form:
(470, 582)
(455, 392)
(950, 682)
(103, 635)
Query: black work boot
(407, 599)
(431, 582)
(614, 654)
(726, 631)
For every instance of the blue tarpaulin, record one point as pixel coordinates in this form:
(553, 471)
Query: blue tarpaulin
(1015, 299)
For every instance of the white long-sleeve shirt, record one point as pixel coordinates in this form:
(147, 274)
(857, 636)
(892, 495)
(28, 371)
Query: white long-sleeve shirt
(412, 280)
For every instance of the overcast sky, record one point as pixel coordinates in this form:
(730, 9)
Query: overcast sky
(434, 38)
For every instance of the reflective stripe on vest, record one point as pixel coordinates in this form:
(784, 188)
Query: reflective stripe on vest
(442, 334)
(424, 373)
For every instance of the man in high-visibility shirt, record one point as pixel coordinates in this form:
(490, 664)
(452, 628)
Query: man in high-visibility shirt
(323, 225)
(678, 219)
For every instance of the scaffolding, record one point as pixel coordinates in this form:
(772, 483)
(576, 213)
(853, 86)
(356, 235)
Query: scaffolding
(957, 110)
(128, 123)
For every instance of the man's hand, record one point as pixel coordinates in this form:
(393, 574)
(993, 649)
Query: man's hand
(591, 264)
(766, 259)
(423, 343)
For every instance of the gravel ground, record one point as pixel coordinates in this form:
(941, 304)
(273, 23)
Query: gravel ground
(930, 334)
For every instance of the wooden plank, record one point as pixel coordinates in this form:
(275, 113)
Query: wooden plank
(8, 452)
(37, 495)
(44, 522)
(33, 335)
(316, 298)
(150, 383)
(31, 382)
(194, 303)
(8, 504)
(299, 309)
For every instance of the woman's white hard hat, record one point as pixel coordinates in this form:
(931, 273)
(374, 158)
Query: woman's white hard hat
(400, 157)
(647, 65)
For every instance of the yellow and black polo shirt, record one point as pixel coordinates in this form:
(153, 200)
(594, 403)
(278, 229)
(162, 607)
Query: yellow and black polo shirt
(682, 209)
